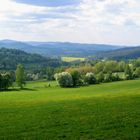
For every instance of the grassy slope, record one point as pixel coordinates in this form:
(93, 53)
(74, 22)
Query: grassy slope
(107, 111)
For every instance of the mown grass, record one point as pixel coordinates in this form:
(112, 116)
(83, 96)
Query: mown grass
(71, 59)
(107, 111)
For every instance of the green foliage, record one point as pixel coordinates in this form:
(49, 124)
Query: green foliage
(9, 58)
(116, 77)
(126, 53)
(20, 76)
(100, 77)
(64, 79)
(108, 77)
(90, 78)
(99, 67)
(76, 77)
(121, 66)
(136, 73)
(5, 80)
(110, 66)
(136, 62)
(128, 73)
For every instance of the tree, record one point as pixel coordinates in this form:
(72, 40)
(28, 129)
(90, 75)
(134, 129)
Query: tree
(100, 77)
(128, 73)
(108, 77)
(20, 76)
(5, 81)
(99, 67)
(90, 78)
(136, 73)
(121, 66)
(76, 76)
(110, 66)
(64, 79)
(115, 77)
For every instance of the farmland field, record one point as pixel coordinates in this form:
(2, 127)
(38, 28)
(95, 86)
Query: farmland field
(71, 59)
(107, 111)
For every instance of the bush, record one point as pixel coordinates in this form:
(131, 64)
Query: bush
(5, 81)
(128, 73)
(136, 73)
(76, 77)
(64, 79)
(108, 77)
(100, 77)
(90, 78)
(115, 77)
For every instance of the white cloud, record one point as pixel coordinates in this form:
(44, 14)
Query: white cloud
(92, 21)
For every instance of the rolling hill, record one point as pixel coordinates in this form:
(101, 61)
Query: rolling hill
(9, 58)
(58, 48)
(119, 54)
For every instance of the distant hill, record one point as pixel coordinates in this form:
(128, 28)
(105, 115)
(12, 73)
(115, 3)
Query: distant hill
(119, 54)
(9, 58)
(58, 48)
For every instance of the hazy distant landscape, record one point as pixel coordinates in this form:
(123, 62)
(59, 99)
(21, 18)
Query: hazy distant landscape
(69, 70)
(60, 49)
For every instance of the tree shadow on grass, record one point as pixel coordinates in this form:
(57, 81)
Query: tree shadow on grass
(17, 89)
(28, 89)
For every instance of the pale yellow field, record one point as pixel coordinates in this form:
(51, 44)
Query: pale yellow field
(71, 59)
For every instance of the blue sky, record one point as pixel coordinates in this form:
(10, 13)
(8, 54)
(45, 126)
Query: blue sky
(85, 21)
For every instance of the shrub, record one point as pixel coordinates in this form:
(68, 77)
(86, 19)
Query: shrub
(76, 77)
(108, 77)
(115, 77)
(64, 79)
(128, 73)
(90, 78)
(136, 73)
(100, 77)
(5, 81)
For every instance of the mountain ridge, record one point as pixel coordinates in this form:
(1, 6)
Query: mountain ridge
(57, 48)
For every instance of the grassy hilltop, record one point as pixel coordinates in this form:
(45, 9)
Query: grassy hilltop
(107, 111)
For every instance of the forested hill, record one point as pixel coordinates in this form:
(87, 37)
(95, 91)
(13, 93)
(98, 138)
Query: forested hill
(58, 48)
(124, 53)
(9, 58)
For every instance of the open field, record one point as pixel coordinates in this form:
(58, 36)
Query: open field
(71, 59)
(108, 111)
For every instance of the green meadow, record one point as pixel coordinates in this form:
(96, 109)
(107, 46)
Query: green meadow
(109, 111)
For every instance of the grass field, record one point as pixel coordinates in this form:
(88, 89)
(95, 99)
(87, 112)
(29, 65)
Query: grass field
(71, 59)
(107, 112)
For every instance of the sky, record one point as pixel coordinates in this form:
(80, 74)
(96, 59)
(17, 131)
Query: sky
(86, 21)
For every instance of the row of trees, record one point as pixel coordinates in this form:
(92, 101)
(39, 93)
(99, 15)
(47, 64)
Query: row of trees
(73, 77)
(66, 79)
(105, 67)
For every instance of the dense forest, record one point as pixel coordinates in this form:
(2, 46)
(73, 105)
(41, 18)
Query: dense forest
(9, 58)
(120, 54)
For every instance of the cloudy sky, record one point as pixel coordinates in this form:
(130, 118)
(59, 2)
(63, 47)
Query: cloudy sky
(88, 21)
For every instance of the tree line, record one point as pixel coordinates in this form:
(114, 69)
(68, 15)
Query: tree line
(100, 72)
(76, 75)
